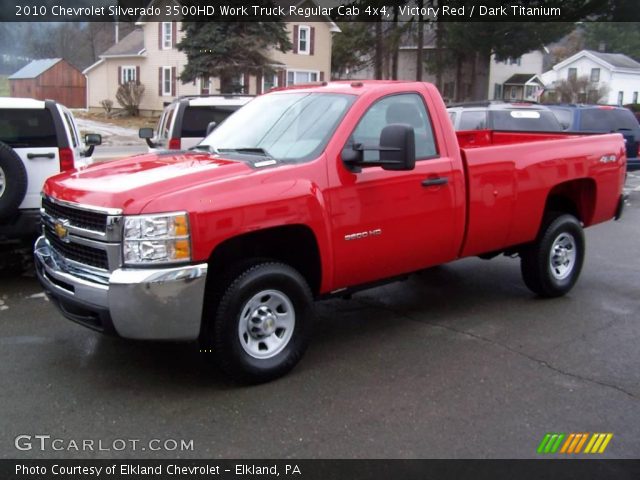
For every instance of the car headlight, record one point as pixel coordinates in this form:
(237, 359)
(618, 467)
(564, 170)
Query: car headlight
(161, 238)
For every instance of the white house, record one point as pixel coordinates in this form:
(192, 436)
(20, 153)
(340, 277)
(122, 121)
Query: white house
(619, 73)
(516, 78)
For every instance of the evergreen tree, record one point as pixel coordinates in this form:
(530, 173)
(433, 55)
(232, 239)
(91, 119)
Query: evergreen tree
(230, 49)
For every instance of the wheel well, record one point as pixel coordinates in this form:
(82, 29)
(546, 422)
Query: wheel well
(577, 197)
(294, 245)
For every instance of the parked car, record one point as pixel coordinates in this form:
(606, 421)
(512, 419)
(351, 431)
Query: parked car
(522, 117)
(38, 139)
(185, 121)
(308, 193)
(603, 119)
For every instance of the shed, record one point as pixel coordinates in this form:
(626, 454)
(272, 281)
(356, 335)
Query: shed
(53, 79)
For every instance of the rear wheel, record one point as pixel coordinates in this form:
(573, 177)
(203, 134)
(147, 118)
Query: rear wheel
(13, 181)
(260, 327)
(552, 264)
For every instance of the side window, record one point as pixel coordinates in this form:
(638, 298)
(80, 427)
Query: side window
(22, 128)
(72, 130)
(167, 117)
(473, 121)
(406, 109)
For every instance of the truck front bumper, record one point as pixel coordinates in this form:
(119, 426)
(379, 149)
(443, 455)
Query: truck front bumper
(145, 304)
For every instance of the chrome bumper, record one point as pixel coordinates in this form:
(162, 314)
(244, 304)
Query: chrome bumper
(146, 304)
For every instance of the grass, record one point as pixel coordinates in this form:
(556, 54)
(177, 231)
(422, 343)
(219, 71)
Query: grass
(4, 86)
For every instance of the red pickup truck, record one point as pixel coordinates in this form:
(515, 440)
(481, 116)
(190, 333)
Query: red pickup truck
(310, 192)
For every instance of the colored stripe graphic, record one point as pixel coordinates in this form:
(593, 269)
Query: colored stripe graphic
(572, 443)
(598, 443)
(550, 443)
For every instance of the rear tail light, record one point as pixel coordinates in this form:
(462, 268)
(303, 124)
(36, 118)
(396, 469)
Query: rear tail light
(174, 144)
(66, 159)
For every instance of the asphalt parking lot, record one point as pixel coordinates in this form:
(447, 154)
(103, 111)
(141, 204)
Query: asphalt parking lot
(459, 361)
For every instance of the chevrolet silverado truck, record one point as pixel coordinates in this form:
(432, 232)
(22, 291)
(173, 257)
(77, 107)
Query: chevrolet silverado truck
(306, 193)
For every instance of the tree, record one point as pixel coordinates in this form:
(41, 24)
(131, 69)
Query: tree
(351, 49)
(580, 90)
(613, 37)
(129, 96)
(230, 49)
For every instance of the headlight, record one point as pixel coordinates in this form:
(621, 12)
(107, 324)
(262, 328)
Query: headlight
(162, 238)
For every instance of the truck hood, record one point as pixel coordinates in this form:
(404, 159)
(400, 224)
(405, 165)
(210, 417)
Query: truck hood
(131, 183)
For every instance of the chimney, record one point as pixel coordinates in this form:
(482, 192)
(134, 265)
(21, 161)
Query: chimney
(117, 32)
(602, 47)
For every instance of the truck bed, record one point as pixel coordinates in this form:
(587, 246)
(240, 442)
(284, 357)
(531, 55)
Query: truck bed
(509, 181)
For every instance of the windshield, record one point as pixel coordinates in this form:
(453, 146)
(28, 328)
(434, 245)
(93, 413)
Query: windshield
(285, 126)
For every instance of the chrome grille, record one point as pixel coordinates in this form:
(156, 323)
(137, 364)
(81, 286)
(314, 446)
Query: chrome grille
(86, 219)
(76, 252)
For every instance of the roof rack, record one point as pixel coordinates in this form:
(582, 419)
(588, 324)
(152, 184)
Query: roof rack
(300, 85)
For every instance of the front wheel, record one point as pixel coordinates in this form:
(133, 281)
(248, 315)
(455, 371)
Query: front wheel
(261, 325)
(552, 264)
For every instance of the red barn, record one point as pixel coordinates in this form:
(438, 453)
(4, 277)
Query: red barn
(51, 78)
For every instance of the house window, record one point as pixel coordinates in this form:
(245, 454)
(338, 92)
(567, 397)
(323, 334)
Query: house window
(167, 35)
(304, 40)
(269, 81)
(620, 98)
(515, 61)
(205, 86)
(530, 91)
(572, 74)
(635, 97)
(300, 76)
(497, 91)
(595, 75)
(166, 81)
(128, 75)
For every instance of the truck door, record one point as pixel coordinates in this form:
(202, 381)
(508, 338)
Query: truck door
(386, 223)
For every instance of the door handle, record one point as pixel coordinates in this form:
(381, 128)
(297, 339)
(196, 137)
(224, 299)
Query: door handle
(31, 156)
(435, 181)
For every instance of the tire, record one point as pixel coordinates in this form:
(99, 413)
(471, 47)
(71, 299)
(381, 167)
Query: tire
(13, 181)
(552, 264)
(261, 325)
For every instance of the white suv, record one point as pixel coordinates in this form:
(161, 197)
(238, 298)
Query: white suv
(187, 120)
(38, 139)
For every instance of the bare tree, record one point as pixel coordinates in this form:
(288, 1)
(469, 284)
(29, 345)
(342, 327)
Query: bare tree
(580, 90)
(129, 96)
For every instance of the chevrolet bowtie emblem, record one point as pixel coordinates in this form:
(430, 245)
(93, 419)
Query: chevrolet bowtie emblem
(62, 230)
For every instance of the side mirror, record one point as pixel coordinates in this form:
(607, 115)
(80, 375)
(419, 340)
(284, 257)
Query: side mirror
(397, 150)
(211, 127)
(91, 140)
(147, 134)
(398, 147)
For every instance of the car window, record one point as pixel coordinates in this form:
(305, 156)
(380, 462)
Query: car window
(473, 121)
(564, 116)
(607, 120)
(525, 121)
(404, 109)
(196, 119)
(292, 126)
(72, 130)
(452, 117)
(27, 128)
(165, 122)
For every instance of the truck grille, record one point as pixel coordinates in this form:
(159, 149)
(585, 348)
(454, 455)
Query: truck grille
(86, 219)
(76, 252)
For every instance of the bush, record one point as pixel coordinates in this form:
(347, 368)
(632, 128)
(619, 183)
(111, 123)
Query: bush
(107, 105)
(129, 96)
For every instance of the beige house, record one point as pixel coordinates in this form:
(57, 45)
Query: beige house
(149, 55)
